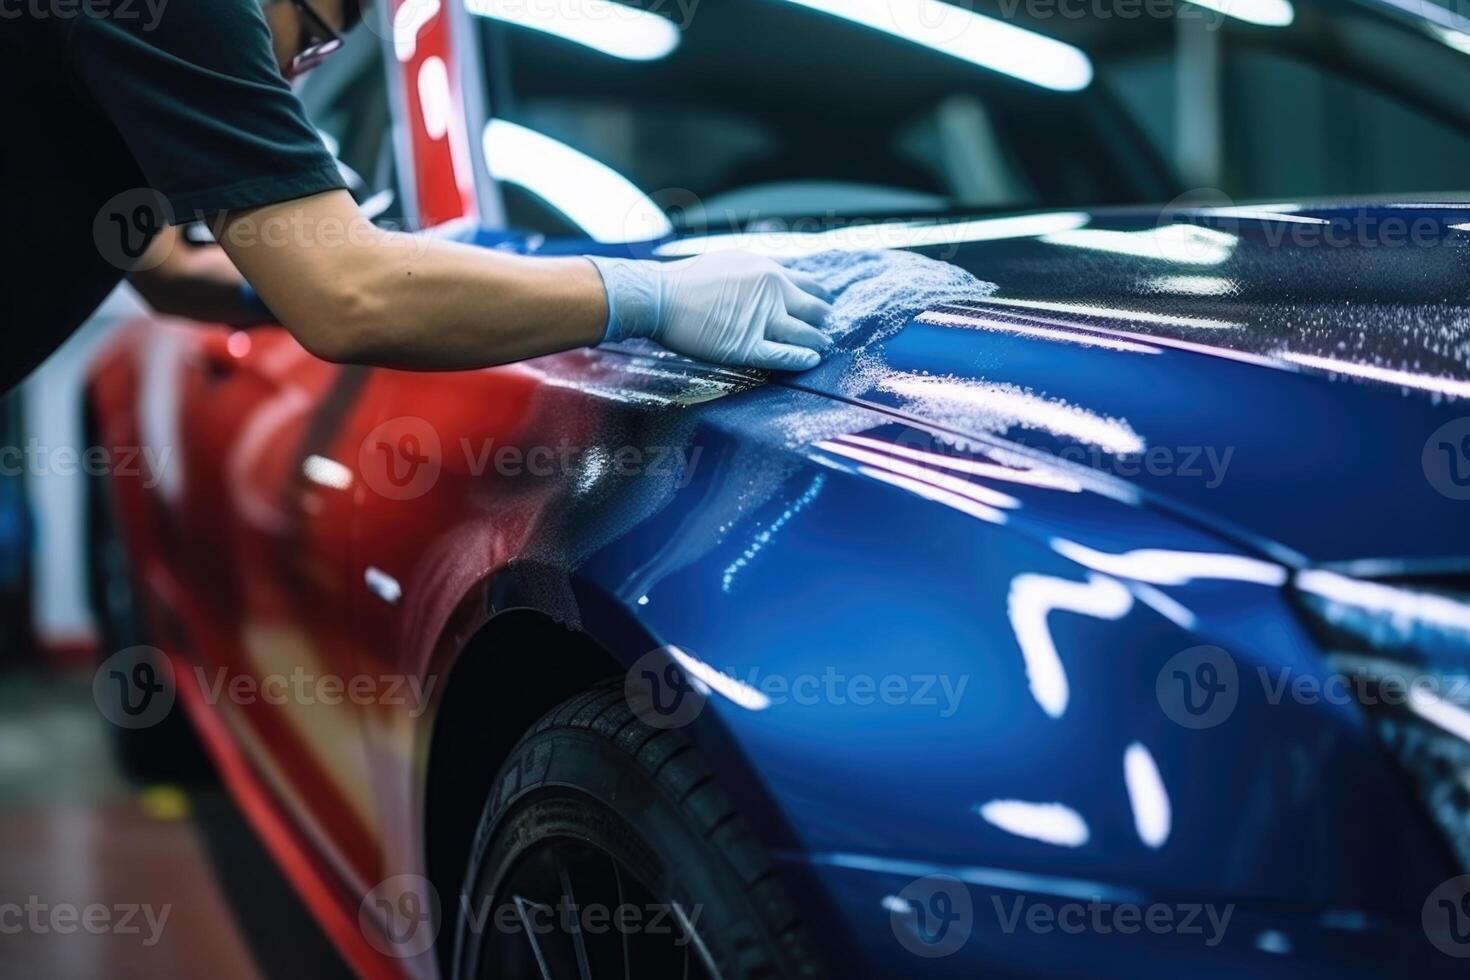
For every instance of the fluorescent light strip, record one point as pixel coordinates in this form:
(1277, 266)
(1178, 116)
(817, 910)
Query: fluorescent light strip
(972, 37)
(408, 21)
(878, 235)
(611, 28)
(1267, 13)
(435, 103)
(598, 199)
(1408, 379)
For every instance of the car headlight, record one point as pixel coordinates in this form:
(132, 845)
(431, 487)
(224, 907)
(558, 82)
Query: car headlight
(1404, 647)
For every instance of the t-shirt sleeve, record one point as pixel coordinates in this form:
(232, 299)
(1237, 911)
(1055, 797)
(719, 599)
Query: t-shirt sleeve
(198, 99)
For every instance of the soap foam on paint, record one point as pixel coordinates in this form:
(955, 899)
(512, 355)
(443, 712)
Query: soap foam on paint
(876, 294)
(882, 291)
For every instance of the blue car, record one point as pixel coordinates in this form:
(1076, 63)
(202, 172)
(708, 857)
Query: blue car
(1098, 607)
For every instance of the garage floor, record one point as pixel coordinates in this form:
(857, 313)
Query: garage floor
(102, 879)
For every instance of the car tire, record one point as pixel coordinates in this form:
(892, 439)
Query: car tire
(595, 803)
(168, 750)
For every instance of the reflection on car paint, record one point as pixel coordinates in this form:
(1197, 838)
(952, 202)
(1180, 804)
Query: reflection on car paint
(1030, 475)
(1112, 313)
(874, 237)
(997, 407)
(1180, 244)
(764, 536)
(948, 318)
(1031, 601)
(1152, 814)
(1049, 823)
(1161, 566)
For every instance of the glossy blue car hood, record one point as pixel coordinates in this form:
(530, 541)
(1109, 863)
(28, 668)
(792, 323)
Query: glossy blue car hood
(1293, 377)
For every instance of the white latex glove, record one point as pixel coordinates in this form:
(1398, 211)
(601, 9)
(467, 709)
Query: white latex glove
(728, 307)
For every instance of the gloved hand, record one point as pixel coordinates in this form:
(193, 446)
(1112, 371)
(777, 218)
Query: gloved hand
(728, 307)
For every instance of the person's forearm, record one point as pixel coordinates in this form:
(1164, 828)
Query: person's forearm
(437, 305)
(350, 291)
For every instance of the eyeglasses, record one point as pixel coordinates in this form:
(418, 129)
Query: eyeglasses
(322, 39)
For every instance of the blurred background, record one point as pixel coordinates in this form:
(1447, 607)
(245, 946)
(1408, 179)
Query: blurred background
(1230, 100)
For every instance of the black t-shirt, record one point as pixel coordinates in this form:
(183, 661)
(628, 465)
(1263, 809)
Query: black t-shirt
(120, 116)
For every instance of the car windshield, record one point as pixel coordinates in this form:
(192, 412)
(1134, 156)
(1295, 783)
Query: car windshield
(744, 110)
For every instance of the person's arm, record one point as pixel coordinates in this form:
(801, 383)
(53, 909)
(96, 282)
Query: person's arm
(350, 291)
(198, 282)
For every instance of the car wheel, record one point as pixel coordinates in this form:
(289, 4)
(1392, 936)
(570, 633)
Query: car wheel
(168, 750)
(608, 849)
